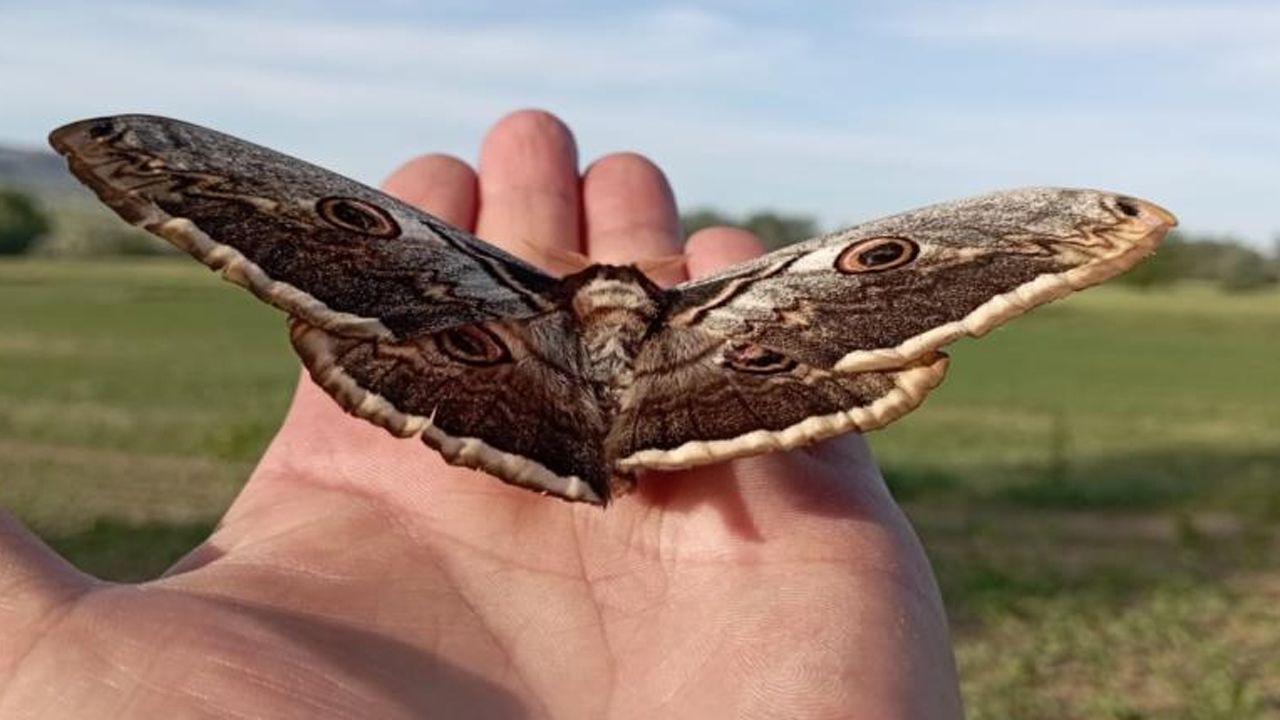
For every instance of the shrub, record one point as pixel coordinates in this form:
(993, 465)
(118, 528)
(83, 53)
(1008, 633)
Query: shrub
(21, 222)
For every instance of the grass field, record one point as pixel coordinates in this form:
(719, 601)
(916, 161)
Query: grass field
(1098, 485)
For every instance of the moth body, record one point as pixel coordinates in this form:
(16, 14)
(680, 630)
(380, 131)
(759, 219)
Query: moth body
(616, 308)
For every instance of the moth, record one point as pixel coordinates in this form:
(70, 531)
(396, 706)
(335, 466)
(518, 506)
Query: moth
(570, 385)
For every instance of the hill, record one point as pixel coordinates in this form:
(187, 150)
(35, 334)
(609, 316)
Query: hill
(39, 172)
(81, 226)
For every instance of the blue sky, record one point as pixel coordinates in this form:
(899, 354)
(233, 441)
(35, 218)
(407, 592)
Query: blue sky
(843, 110)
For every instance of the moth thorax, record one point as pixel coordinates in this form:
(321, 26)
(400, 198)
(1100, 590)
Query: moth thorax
(605, 295)
(614, 314)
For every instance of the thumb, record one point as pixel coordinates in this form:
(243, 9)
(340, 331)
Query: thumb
(34, 582)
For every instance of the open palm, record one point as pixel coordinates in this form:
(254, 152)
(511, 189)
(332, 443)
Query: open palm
(357, 575)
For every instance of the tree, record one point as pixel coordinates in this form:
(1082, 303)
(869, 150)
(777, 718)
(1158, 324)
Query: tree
(702, 218)
(21, 222)
(775, 229)
(1168, 264)
(1226, 261)
(87, 229)
(1247, 270)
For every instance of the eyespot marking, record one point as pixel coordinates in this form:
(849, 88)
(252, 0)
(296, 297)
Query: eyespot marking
(877, 254)
(473, 345)
(101, 129)
(755, 359)
(358, 216)
(1128, 206)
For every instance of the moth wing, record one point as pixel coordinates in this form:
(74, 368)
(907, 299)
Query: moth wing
(699, 398)
(326, 249)
(408, 322)
(882, 294)
(503, 396)
(842, 333)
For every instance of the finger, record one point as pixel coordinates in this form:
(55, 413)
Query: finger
(629, 214)
(713, 248)
(529, 196)
(33, 580)
(440, 184)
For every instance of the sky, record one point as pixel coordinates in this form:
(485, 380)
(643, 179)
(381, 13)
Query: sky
(842, 110)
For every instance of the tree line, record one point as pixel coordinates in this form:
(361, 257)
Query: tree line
(68, 228)
(79, 229)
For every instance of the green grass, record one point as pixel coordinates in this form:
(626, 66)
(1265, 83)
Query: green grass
(1098, 484)
(1115, 398)
(132, 394)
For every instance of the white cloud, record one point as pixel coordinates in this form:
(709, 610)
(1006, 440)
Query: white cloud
(1097, 24)
(202, 62)
(1234, 40)
(670, 45)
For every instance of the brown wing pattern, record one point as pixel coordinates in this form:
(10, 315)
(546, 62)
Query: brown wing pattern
(316, 244)
(842, 332)
(505, 397)
(425, 330)
(884, 293)
(698, 398)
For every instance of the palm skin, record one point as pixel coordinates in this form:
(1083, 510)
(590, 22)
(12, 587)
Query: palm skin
(357, 575)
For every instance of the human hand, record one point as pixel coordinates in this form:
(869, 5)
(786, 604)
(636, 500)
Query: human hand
(357, 575)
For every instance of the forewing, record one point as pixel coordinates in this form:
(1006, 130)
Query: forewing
(885, 293)
(324, 248)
